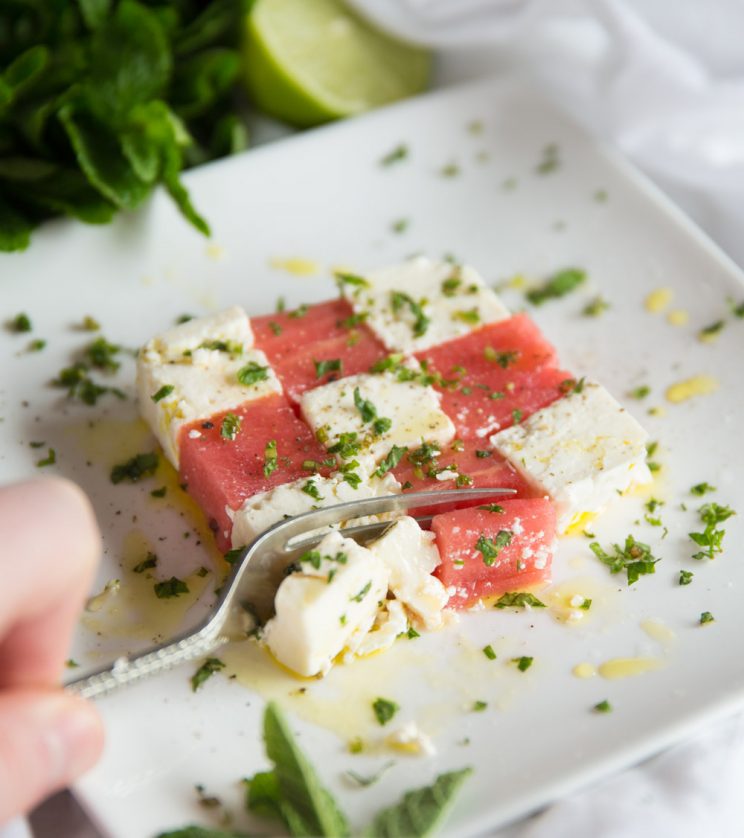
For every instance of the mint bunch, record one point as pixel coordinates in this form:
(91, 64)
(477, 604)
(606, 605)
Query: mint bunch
(100, 101)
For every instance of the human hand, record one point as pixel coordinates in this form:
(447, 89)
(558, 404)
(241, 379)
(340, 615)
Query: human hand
(49, 547)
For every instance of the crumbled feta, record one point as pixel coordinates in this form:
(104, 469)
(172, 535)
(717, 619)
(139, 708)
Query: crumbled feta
(410, 555)
(413, 410)
(453, 299)
(581, 450)
(411, 740)
(263, 510)
(390, 622)
(195, 366)
(320, 611)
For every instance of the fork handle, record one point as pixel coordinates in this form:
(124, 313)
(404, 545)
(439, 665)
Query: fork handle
(125, 670)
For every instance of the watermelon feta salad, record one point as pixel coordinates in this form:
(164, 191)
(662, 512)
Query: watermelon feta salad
(416, 377)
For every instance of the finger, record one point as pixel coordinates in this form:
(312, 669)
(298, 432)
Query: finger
(50, 548)
(47, 739)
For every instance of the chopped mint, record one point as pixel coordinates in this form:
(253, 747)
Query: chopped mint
(20, 323)
(489, 652)
(205, 671)
(640, 392)
(170, 588)
(595, 307)
(134, 469)
(391, 460)
(310, 488)
(324, 367)
(523, 663)
(150, 560)
(479, 706)
(711, 514)
(271, 460)
(230, 427)
(685, 577)
(399, 300)
(49, 460)
(520, 599)
(164, 391)
(700, 489)
(384, 710)
(557, 286)
(706, 617)
(400, 152)
(252, 373)
(633, 557)
(490, 548)
(602, 707)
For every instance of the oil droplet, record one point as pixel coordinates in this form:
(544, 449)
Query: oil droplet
(296, 266)
(678, 317)
(576, 600)
(133, 610)
(659, 631)
(658, 300)
(341, 702)
(216, 252)
(584, 670)
(698, 385)
(628, 667)
(579, 523)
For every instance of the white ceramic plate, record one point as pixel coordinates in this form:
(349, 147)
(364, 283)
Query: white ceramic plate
(323, 196)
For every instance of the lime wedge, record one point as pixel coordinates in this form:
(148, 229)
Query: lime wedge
(309, 61)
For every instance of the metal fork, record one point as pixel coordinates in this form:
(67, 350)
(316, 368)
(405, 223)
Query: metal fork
(254, 578)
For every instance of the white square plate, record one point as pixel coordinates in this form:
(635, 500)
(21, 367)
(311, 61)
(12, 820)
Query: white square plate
(323, 196)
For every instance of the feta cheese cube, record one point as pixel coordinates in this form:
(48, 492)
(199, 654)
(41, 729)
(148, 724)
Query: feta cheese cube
(263, 510)
(326, 606)
(409, 739)
(413, 411)
(410, 555)
(191, 372)
(581, 450)
(422, 303)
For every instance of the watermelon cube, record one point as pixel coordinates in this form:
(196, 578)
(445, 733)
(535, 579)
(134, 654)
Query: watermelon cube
(488, 551)
(221, 473)
(496, 376)
(311, 346)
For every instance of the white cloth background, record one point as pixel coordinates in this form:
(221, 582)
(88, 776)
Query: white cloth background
(664, 81)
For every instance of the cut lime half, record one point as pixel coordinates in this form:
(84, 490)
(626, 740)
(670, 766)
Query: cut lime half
(309, 61)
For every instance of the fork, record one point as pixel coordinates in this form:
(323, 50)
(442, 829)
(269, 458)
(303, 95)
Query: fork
(256, 574)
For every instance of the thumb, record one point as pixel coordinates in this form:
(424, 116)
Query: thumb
(47, 739)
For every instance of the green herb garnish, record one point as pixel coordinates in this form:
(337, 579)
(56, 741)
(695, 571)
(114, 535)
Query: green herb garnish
(205, 671)
(523, 663)
(471, 316)
(252, 373)
(711, 538)
(503, 359)
(602, 707)
(324, 367)
(489, 652)
(400, 152)
(399, 300)
(164, 391)
(101, 354)
(595, 307)
(492, 507)
(557, 286)
(271, 460)
(21, 322)
(711, 330)
(490, 548)
(384, 710)
(479, 706)
(230, 426)
(633, 557)
(170, 588)
(520, 599)
(49, 460)
(706, 617)
(685, 577)
(391, 460)
(700, 489)
(275, 327)
(134, 469)
(310, 488)
(150, 560)
(640, 392)
(362, 593)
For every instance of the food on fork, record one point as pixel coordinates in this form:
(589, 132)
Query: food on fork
(416, 378)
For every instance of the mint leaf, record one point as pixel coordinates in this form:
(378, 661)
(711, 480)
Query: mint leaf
(192, 831)
(421, 810)
(304, 803)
